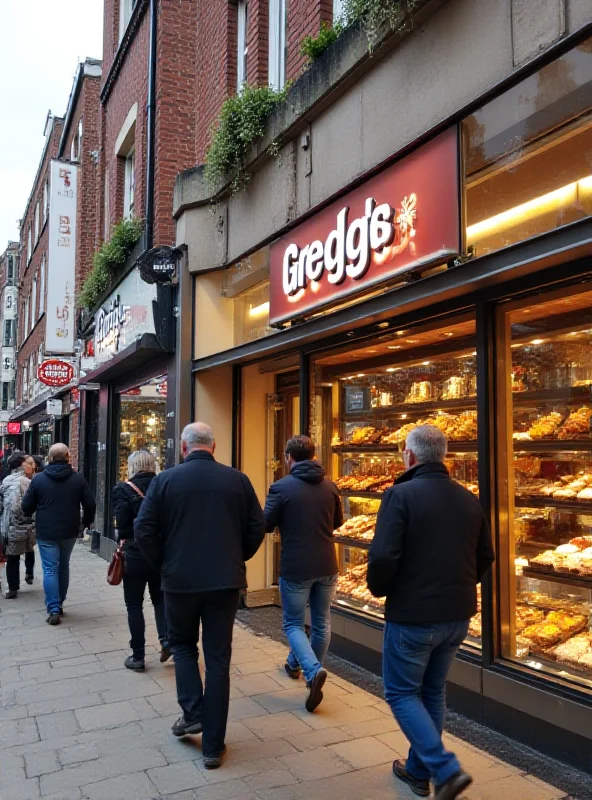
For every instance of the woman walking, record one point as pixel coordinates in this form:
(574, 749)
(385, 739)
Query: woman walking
(18, 531)
(127, 498)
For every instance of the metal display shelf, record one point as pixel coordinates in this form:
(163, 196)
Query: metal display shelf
(360, 544)
(453, 448)
(565, 578)
(575, 506)
(564, 396)
(431, 407)
(553, 446)
(361, 495)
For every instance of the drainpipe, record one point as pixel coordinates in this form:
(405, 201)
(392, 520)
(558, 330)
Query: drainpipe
(151, 128)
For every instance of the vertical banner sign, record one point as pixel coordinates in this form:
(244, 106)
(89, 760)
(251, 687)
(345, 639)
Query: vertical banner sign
(61, 262)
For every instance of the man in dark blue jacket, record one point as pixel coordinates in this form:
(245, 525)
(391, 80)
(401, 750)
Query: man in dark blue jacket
(431, 548)
(306, 508)
(56, 496)
(198, 525)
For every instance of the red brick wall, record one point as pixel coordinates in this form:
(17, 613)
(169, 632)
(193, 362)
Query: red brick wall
(74, 437)
(304, 19)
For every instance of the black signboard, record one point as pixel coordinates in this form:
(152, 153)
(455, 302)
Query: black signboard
(356, 399)
(159, 265)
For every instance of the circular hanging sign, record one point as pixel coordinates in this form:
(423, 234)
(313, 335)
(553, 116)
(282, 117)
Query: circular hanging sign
(159, 265)
(55, 372)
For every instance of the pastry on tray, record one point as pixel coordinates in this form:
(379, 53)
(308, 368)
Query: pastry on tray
(543, 635)
(577, 425)
(569, 623)
(546, 427)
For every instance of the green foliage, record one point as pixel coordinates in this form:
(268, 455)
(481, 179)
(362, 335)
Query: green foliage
(314, 46)
(241, 122)
(108, 258)
(375, 14)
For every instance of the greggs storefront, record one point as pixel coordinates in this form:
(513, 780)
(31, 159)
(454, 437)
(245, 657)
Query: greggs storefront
(451, 287)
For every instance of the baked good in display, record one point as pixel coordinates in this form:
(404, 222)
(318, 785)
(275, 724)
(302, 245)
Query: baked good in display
(575, 652)
(361, 528)
(546, 427)
(475, 626)
(542, 635)
(585, 494)
(574, 557)
(567, 549)
(569, 623)
(577, 425)
(353, 584)
(455, 388)
(420, 392)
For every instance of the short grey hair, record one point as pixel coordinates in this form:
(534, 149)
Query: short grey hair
(140, 461)
(198, 435)
(427, 443)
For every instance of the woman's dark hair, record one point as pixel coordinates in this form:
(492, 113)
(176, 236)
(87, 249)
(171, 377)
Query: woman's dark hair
(39, 463)
(300, 448)
(16, 461)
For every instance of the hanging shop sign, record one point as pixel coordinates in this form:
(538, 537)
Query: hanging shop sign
(159, 265)
(126, 316)
(54, 408)
(405, 217)
(61, 260)
(55, 372)
(13, 428)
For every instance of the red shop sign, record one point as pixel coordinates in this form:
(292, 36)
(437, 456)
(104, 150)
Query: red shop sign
(13, 428)
(55, 372)
(405, 217)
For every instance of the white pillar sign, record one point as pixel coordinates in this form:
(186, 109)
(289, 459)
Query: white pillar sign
(61, 262)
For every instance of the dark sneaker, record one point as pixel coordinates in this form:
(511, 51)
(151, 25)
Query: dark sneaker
(61, 612)
(315, 690)
(417, 786)
(136, 664)
(453, 786)
(291, 672)
(165, 654)
(213, 762)
(29, 579)
(182, 727)
(54, 619)
(11, 594)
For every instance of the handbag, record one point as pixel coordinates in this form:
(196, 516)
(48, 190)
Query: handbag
(116, 567)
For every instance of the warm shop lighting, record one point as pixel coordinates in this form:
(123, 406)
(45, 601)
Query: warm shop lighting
(361, 375)
(394, 346)
(256, 312)
(425, 363)
(537, 341)
(545, 204)
(151, 422)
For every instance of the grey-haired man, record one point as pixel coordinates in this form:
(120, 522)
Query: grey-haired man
(431, 548)
(198, 525)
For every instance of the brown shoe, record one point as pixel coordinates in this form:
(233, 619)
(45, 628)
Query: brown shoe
(165, 654)
(417, 786)
(453, 786)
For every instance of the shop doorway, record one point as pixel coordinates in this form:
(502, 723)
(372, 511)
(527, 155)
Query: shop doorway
(142, 423)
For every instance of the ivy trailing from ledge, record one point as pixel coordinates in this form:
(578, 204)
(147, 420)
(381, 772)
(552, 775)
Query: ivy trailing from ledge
(241, 122)
(109, 257)
(314, 46)
(374, 15)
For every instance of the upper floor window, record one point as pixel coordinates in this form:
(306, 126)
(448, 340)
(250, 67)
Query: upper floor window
(76, 146)
(126, 8)
(45, 200)
(26, 318)
(277, 43)
(242, 49)
(9, 338)
(37, 222)
(129, 184)
(29, 245)
(338, 8)
(10, 269)
(34, 303)
(42, 286)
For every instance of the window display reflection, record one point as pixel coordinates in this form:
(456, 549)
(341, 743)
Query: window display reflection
(366, 400)
(547, 377)
(142, 424)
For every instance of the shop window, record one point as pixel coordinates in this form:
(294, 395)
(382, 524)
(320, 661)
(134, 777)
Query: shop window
(251, 314)
(129, 188)
(545, 483)
(242, 49)
(528, 156)
(142, 423)
(277, 43)
(365, 401)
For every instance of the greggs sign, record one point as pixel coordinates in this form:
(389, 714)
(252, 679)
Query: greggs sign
(403, 218)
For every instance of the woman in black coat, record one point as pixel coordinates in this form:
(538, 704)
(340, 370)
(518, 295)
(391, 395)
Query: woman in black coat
(127, 499)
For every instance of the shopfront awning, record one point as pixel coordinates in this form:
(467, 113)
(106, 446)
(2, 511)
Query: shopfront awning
(36, 410)
(139, 353)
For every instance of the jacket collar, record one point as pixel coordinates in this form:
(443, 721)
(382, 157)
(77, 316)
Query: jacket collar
(432, 469)
(198, 455)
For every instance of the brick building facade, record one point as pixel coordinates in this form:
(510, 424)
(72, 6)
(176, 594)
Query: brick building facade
(8, 322)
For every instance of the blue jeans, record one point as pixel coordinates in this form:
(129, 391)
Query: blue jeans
(295, 596)
(416, 661)
(55, 559)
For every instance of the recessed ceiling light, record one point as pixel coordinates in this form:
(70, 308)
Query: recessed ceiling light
(394, 346)
(392, 369)
(537, 341)
(400, 333)
(426, 363)
(403, 416)
(361, 375)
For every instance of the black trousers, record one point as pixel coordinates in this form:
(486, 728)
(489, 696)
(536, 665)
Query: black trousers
(13, 569)
(216, 612)
(137, 575)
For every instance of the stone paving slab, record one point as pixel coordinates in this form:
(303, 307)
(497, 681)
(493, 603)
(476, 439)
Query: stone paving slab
(75, 725)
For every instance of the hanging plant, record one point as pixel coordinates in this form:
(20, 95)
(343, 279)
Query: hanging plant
(241, 122)
(374, 15)
(314, 46)
(109, 257)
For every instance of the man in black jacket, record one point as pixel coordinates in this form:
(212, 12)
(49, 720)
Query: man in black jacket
(431, 548)
(198, 525)
(306, 508)
(55, 496)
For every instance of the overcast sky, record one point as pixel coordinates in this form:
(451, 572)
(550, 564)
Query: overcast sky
(42, 43)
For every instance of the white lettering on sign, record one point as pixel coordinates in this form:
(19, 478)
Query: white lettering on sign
(378, 236)
(109, 324)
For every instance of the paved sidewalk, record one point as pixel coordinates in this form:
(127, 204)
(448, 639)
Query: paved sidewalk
(76, 725)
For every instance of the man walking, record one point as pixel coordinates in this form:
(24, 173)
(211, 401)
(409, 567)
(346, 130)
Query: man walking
(198, 525)
(431, 548)
(306, 508)
(56, 496)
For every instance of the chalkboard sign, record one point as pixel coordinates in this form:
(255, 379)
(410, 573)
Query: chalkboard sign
(356, 399)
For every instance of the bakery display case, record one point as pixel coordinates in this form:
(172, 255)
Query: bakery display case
(545, 425)
(365, 402)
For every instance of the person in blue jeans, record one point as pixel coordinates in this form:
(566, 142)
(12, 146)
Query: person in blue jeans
(56, 497)
(431, 548)
(306, 507)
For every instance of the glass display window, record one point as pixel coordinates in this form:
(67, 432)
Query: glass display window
(365, 400)
(545, 482)
(142, 423)
(527, 155)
